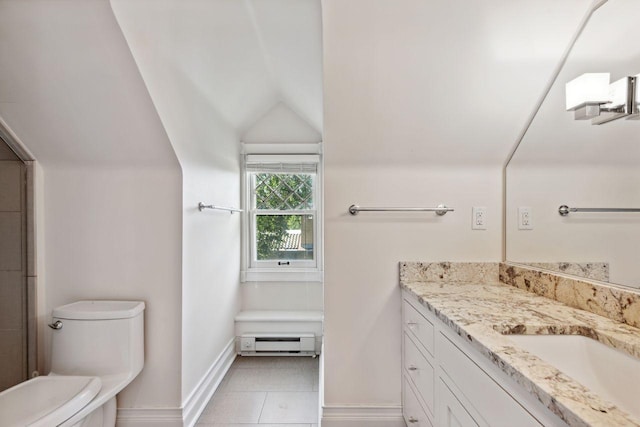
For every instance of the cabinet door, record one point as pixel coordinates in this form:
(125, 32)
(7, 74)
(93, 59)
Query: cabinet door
(414, 414)
(488, 398)
(421, 372)
(419, 326)
(451, 413)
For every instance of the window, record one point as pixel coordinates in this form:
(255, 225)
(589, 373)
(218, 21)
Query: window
(283, 217)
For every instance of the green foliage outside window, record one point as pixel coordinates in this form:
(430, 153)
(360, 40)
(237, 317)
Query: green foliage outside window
(281, 192)
(284, 191)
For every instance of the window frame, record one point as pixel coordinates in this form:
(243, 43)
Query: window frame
(269, 270)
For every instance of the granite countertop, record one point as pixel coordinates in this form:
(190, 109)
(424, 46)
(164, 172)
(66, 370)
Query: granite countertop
(482, 312)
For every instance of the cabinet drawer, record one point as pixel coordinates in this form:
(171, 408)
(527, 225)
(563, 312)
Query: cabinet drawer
(491, 401)
(451, 412)
(419, 326)
(421, 372)
(414, 415)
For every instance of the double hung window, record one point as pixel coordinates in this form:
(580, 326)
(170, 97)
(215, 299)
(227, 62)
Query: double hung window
(283, 201)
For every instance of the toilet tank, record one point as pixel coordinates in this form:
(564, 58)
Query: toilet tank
(98, 338)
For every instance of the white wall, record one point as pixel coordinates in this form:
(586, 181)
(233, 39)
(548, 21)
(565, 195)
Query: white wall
(282, 296)
(423, 101)
(362, 296)
(281, 125)
(114, 234)
(211, 253)
(111, 218)
(208, 150)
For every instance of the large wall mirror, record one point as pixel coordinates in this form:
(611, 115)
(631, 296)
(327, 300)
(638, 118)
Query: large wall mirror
(564, 161)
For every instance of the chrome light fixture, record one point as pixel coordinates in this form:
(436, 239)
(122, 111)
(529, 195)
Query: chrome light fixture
(592, 97)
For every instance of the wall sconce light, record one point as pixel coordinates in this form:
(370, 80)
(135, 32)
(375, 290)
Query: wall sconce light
(592, 97)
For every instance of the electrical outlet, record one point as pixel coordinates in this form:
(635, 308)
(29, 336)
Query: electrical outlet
(479, 218)
(525, 218)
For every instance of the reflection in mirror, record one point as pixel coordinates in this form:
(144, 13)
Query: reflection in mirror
(563, 161)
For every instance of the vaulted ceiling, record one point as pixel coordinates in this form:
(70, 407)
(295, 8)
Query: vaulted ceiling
(421, 81)
(450, 80)
(243, 56)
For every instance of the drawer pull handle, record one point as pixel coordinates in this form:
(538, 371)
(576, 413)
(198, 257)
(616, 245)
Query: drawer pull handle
(411, 324)
(413, 420)
(412, 368)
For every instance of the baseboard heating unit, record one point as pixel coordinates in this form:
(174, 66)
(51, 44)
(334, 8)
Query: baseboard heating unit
(277, 344)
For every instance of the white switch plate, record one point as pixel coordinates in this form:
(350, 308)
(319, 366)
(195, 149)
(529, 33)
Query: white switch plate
(479, 218)
(525, 218)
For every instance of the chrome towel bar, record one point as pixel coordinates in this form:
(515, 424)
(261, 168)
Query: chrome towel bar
(439, 210)
(564, 210)
(202, 206)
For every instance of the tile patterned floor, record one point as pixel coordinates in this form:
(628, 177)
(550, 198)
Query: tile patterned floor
(266, 392)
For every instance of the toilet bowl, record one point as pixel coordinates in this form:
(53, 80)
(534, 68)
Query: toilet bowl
(97, 349)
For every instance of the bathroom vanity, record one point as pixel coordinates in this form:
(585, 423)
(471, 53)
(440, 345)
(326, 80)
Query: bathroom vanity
(464, 366)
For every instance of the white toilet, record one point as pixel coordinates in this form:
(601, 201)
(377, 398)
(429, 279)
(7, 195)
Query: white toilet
(97, 349)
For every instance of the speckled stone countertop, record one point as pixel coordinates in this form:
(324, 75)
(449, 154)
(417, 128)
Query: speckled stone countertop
(481, 312)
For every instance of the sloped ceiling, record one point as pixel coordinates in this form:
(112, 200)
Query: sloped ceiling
(422, 81)
(435, 82)
(69, 87)
(243, 56)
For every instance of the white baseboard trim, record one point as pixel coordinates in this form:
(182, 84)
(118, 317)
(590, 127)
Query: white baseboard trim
(362, 416)
(200, 396)
(149, 417)
(193, 405)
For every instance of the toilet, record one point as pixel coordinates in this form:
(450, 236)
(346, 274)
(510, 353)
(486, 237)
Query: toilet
(97, 349)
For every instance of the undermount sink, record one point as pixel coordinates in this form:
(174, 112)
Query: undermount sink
(608, 372)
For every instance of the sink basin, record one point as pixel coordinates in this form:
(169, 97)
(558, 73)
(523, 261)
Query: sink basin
(608, 372)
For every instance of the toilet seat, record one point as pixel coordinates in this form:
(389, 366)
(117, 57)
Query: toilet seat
(47, 401)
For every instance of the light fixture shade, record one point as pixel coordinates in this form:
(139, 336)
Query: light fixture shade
(587, 89)
(636, 111)
(637, 76)
(618, 93)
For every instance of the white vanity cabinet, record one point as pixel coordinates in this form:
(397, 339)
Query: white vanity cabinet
(448, 383)
(418, 366)
(451, 413)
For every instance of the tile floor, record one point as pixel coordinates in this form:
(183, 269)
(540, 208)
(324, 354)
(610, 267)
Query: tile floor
(266, 392)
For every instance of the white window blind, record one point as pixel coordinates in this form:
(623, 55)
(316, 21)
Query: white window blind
(282, 167)
(282, 163)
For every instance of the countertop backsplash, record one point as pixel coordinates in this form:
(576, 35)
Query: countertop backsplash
(613, 302)
(449, 272)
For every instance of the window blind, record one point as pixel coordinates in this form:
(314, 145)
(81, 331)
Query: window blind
(282, 164)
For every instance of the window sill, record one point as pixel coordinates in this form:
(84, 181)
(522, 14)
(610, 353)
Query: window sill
(291, 275)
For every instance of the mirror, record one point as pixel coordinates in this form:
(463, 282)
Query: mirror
(563, 161)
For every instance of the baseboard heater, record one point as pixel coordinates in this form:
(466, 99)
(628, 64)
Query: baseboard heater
(278, 344)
